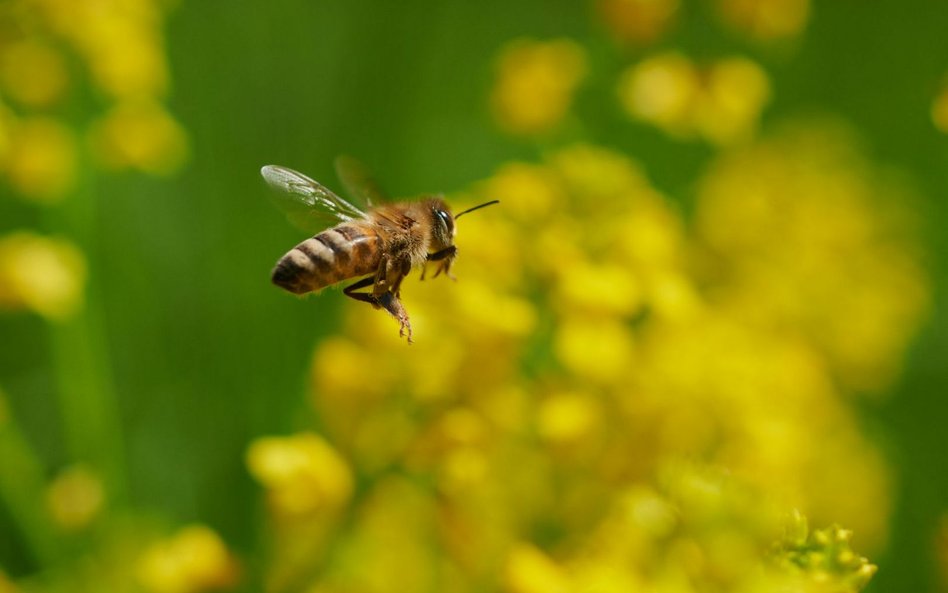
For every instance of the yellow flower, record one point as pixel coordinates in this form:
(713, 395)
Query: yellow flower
(535, 84)
(302, 473)
(120, 41)
(142, 135)
(531, 571)
(662, 90)
(567, 417)
(127, 59)
(721, 103)
(600, 350)
(527, 192)
(75, 498)
(32, 73)
(483, 308)
(191, 561)
(598, 179)
(939, 110)
(41, 163)
(637, 22)
(607, 288)
(45, 275)
(766, 20)
(735, 93)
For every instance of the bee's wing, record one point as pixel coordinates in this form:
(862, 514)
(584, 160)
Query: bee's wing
(307, 203)
(359, 182)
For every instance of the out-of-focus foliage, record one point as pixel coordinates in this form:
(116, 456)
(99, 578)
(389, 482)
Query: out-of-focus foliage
(635, 384)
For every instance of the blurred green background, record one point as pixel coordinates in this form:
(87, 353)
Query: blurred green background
(201, 354)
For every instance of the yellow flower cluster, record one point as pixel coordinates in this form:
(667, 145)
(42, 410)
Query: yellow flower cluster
(529, 436)
(535, 84)
(833, 275)
(721, 102)
(823, 558)
(119, 42)
(193, 560)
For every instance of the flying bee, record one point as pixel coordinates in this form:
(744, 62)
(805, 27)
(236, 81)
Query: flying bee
(373, 238)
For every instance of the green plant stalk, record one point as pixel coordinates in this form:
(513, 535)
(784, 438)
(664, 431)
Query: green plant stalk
(21, 486)
(87, 398)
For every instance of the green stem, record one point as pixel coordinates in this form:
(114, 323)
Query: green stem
(21, 481)
(90, 415)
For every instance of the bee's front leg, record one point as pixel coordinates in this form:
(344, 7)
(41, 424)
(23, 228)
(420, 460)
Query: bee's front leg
(446, 258)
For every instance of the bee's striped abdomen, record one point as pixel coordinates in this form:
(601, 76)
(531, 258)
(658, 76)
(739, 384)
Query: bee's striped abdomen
(342, 252)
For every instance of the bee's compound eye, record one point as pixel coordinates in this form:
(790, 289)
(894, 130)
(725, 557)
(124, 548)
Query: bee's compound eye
(445, 219)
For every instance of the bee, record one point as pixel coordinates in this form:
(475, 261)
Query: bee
(375, 239)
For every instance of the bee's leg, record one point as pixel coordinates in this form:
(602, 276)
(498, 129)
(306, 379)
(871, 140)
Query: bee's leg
(380, 281)
(446, 257)
(385, 291)
(389, 276)
(365, 297)
(391, 303)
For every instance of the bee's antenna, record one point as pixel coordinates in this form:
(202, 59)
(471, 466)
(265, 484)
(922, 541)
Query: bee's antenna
(484, 205)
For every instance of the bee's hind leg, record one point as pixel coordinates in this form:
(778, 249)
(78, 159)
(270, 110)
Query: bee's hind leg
(391, 303)
(365, 297)
(386, 300)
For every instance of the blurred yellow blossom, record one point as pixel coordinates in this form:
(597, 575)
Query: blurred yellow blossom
(7, 585)
(32, 73)
(193, 560)
(530, 571)
(721, 103)
(608, 288)
(535, 84)
(661, 90)
(42, 161)
(564, 418)
(75, 497)
(595, 349)
(765, 20)
(140, 135)
(939, 109)
(813, 191)
(42, 274)
(120, 41)
(302, 473)
(529, 192)
(637, 22)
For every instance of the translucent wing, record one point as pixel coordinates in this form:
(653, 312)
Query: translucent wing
(359, 182)
(307, 203)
